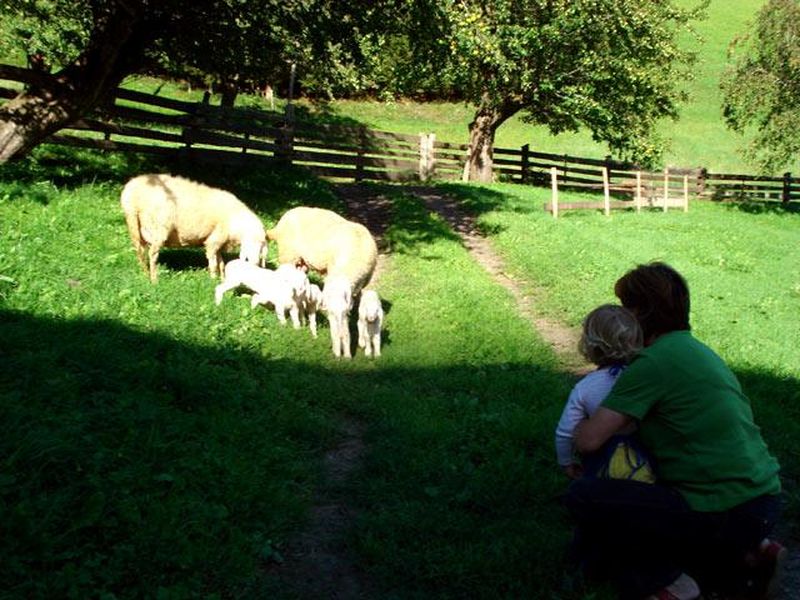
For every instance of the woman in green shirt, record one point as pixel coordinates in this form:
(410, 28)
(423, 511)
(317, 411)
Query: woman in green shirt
(705, 523)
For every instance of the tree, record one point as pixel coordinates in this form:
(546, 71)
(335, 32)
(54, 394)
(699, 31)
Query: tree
(94, 44)
(761, 87)
(614, 66)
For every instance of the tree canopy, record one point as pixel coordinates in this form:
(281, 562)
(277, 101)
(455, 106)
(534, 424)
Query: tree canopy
(761, 88)
(613, 66)
(91, 45)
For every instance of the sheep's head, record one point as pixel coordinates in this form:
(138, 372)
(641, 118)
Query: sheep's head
(370, 306)
(254, 251)
(296, 278)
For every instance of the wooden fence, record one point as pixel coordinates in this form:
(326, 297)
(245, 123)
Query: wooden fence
(198, 131)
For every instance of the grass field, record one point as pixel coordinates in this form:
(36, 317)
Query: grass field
(154, 445)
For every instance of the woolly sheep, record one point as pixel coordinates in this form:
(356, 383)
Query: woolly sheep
(337, 300)
(313, 303)
(327, 243)
(285, 288)
(370, 321)
(165, 210)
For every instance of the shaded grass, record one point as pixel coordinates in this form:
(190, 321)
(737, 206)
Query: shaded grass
(153, 444)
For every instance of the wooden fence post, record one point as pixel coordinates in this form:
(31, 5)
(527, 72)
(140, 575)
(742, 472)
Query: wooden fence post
(427, 160)
(362, 150)
(638, 191)
(526, 161)
(431, 155)
(787, 187)
(666, 187)
(606, 193)
(702, 176)
(554, 188)
(685, 193)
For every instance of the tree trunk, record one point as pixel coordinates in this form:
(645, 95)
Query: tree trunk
(228, 89)
(482, 129)
(52, 102)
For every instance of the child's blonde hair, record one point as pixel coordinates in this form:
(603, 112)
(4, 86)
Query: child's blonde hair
(611, 334)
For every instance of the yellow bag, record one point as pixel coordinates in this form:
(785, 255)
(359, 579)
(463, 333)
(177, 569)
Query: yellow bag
(626, 460)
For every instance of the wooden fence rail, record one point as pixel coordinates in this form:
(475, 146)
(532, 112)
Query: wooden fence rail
(140, 122)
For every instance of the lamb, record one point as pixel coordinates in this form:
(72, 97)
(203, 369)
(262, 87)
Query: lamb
(337, 299)
(285, 288)
(327, 243)
(165, 210)
(313, 303)
(370, 321)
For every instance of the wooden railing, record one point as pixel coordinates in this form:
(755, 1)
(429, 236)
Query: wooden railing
(139, 122)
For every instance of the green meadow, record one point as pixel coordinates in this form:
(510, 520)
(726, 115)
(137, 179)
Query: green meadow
(156, 445)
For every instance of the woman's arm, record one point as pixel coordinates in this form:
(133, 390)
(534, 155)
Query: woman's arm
(592, 433)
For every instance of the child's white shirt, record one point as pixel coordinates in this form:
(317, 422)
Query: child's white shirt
(583, 401)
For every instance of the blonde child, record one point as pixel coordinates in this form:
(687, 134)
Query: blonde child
(611, 338)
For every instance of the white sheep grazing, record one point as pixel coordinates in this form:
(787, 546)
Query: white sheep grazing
(370, 322)
(337, 300)
(168, 211)
(313, 303)
(282, 288)
(327, 243)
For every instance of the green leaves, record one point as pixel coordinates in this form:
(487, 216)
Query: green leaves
(761, 87)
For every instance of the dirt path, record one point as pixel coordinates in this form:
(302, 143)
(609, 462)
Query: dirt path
(563, 339)
(318, 563)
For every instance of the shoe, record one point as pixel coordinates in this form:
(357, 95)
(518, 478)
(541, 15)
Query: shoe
(683, 588)
(765, 574)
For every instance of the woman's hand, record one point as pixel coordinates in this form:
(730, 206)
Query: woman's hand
(573, 471)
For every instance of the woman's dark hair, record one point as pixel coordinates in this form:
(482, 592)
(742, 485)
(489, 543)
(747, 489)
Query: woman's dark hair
(659, 297)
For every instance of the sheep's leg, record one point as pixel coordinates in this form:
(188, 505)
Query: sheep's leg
(223, 287)
(345, 335)
(376, 344)
(154, 250)
(335, 341)
(214, 257)
(140, 256)
(294, 313)
(280, 311)
(312, 323)
(256, 300)
(362, 334)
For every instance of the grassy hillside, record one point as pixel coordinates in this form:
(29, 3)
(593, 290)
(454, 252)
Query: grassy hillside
(700, 138)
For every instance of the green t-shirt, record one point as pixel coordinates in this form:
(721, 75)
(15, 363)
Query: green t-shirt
(696, 422)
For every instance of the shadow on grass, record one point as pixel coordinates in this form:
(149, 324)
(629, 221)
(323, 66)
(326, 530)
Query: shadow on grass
(269, 189)
(755, 207)
(135, 463)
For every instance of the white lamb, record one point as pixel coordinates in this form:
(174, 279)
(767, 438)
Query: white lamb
(370, 321)
(327, 243)
(313, 303)
(168, 211)
(337, 300)
(285, 288)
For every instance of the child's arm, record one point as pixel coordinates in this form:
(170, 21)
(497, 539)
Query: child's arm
(572, 414)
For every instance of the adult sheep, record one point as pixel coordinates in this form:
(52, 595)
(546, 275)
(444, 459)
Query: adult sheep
(327, 243)
(168, 211)
(343, 250)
